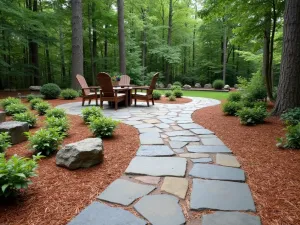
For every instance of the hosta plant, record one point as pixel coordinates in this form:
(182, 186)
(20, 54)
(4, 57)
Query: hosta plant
(62, 124)
(57, 113)
(42, 108)
(89, 112)
(27, 117)
(103, 126)
(4, 141)
(15, 109)
(8, 101)
(35, 101)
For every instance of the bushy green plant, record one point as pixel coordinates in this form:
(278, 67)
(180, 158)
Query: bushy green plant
(260, 104)
(15, 109)
(168, 93)
(9, 101)
(177, 93)
(42, 108)
(69, 94)
(156, 95)
(103, 126)
(31, 96)
(291, 117)
(15, 173)
(235, 96)
(254, 90)
(177, 83)
(91, 112)
(27, 117)
(50, 91)
(218, 84)
(62, 124)
(45, 141)
(172, 98)
(4, 142)
(56, 112)
(231, 108)
(292, 137)
(175, 87)
(252, 116)
(35, 101)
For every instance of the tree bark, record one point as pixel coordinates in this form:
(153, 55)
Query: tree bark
(121, 33)
(168, 69)
(144, 45)
(77, 41)
(62, 56)
(90, 15)
(289, 82)
(224, 53)
(94, 41)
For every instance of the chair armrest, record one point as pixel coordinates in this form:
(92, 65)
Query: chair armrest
(92, 87)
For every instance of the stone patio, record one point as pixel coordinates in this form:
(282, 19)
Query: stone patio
(180, 167)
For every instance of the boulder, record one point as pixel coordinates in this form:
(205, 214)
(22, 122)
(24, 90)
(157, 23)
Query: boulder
(35, 88)
(2, 116)
(207, 86)
(161, 85)
(169, 86)
(186, 86)
(82, 154)
(197, 85)
(227, 87)
(16, 130)
(236, 86)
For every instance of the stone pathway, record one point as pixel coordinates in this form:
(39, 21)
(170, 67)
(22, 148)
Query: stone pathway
(180, 167)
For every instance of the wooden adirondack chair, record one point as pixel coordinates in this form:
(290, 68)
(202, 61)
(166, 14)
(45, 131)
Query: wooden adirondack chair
(148, 94)
(108, 93)
(88, 92)
(124, 81)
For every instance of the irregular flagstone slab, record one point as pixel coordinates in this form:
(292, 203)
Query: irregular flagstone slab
(151, 141)
(166, 120)
(179, 133)
(157, 166)
(178, 150)
(133, 122)
(124, 192)
(176, 128)
(150, 135)
(97, 213)
(190, 126)
(227, 160)
(154, 150)
(162, 125)
(176, 186)
(144, 126)
(161, 210)
(202, 131)
(203, 160)
(207, 136)
(152, 121)
(230, 218)
(194, 155)
(185, 138)
(148, 130)
(148, 179)
(215, 172)
(209, 149)
(211, 141)
(177, 144)
(221, 195)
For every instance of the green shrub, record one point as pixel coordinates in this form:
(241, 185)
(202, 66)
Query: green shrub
(4, 142)
(260, 104)
(175, 87)
(168, 93)
(15, 173)
(42, 107)
(32, 96)
(177, 83)
(62, 124)
(103, 126)
(35, 101)
(27, 117)
(177, 93)
(231, 108)
(91, 112)
(218, 84)
(292, 137)
(57, 113)
(172, 98)
(156, 95)
(9, 101)
(45, 141)
(235, 96)
(69, 94)
(291, 117)
(50, 91)
(15, 109)
(252, 116)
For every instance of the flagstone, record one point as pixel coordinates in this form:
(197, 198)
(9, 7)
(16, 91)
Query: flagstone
(177, 144)
(176, 186)
(194, 155)
(227, 160)
(148, 179)
(232, 218)
(154, 150)
(209, 149)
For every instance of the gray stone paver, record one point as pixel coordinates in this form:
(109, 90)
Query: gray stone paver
(154, 150)
(201, 131)
(227, 160)
(185, 138)
(202, 160)
(209, 149)
(176, 186)
(177, 144)
(148, 179)
(232, 218)
(211, 141)
(179, 133)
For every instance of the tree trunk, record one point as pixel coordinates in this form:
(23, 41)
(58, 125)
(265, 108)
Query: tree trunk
(144, 45)
(48, 64)
(77, 41)
(90, 15)
(94, 41)
(62, 56)
(121, 33)
(106, 49)
(289, 82)
(224, 53)
(168, 69)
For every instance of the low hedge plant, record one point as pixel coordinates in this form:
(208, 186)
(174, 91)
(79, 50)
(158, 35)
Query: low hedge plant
(27, 117)
(4, 141)
(69, 94)
(42, 108)
(15, 109)
(103, 126)
(62, 124)
(9, 101)
(35, 101)
(156, 95)
(231, 108)
(57, 113)
(291, 139)
(90, 112)
(252, 116)
(291, 117)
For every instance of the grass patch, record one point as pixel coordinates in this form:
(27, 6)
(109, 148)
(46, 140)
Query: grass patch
(204, 94)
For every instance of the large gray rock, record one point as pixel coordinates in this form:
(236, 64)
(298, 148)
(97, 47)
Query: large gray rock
(16, 130)
(35, 88)
(2, 116)
(207, 86)
(227, 87)
(169, 86)
(82, 154)
(197, 85)
(186, 86)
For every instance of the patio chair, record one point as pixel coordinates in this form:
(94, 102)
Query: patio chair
(108, 93)
(124, 81)
(148, 94)
(87, 92)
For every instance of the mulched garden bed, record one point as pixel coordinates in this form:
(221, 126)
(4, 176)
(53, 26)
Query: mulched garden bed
(165, 100)
(272, 174)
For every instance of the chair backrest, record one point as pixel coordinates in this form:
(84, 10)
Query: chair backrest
(82, 82)
(104, 81)
(153, 84)
(125, 80)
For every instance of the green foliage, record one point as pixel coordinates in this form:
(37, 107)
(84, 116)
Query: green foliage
(177, 83)
(15, 109)
(172, 98)
(252, 116)
(292, 137)
(254, 90)
(177, 93)
(32, 96)
(27, 117)
(168, 93)
(62, 124)
(103, 126)
(69, 94)
(260, 104)
(15, 173)
(91, 112)
(4, 142)
(50, 91)
(56, 112)
(35, 101)
(218, 84)
(291, 117)
(231, 108)
(45, 141)
(9, 101)
(175, 87)
(235, 96)
(156, 95)
(42, 107)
